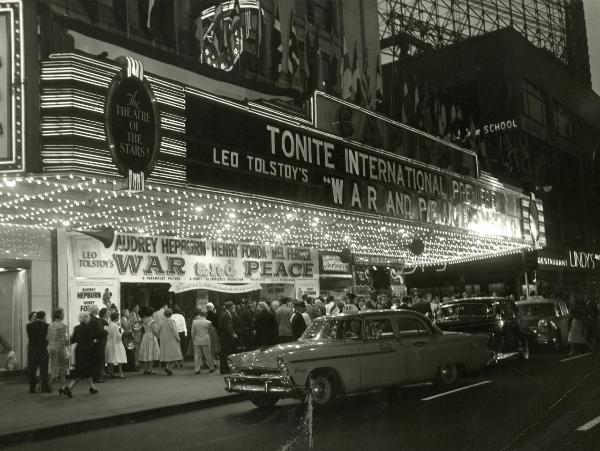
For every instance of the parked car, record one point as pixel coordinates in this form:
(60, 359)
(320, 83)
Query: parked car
(356, 352)
(495, 317)
(547, 321)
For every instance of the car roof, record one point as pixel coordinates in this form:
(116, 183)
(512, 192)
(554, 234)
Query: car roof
(540, 301)
(477, 300)
(363, 313)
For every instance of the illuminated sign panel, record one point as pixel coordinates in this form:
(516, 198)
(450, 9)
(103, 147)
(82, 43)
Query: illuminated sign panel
(230, 147)
(569, 259)
(11, 82)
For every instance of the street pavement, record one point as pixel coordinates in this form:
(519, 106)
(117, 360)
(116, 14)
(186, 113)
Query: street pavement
(539, 404)
(26, 416)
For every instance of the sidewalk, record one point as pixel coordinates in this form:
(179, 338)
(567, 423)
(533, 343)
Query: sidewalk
(26, 417)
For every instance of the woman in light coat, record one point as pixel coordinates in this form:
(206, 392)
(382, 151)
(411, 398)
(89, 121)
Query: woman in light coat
(115, 351)
(201, 337)
(58, 347)
(170, 350)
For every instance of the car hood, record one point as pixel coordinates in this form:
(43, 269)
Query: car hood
(267, 357)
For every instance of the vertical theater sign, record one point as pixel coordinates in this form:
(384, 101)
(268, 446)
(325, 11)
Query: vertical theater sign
(11, 87)
(132, 124)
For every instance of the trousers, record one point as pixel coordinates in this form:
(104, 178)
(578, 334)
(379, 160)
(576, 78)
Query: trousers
(201, 351)
(38, 358)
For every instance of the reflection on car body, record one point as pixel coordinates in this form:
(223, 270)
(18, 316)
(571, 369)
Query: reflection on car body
(356, 352)
(494, 317)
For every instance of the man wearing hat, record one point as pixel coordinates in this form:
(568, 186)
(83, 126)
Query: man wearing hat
(298, 323)
(227, 336)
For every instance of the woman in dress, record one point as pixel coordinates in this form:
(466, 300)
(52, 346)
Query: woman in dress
(149, 349)
(58, 347)
(577, 330)
(170, 351)
(138, 332)
(84, 360)
(115, 351)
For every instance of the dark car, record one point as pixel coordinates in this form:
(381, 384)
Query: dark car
(496, 317)
(547, 320)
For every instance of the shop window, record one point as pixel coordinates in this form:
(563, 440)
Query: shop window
(562, 121)
(535, 103)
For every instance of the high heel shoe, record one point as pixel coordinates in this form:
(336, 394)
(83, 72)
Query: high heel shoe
(67, 391)
(93, 391)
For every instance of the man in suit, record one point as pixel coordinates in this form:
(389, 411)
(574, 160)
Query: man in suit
(266, 326)
(283, 315)
(99, 334)
(37, 352)
(211, 315)
(298, 322)
(200, 336)
(227, 336)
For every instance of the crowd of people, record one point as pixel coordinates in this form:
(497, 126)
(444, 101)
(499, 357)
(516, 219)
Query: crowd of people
(107, 342)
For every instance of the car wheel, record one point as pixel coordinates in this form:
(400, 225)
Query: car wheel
(263, 402)
(524, 353)
(448, 375)
(322, 388)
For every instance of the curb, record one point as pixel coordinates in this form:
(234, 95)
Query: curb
(60, 430)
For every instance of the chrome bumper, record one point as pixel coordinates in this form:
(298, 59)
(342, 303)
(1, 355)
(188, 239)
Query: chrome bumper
(266, 384)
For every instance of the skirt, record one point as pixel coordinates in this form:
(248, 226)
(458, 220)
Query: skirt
(59, 361)
(149, 350)
(115, 353)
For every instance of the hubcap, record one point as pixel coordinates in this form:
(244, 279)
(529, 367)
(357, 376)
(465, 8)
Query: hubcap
(448, 373)
(320, 389)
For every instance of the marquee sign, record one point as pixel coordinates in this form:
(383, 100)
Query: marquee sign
(230, 147)
(132, 121)
(569, 259)
(11, 87)
(189, 263)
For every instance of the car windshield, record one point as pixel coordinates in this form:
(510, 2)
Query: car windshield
(466, 309)
(545, 309)
(334, 329)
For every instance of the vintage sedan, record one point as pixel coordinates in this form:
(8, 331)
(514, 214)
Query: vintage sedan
(493, 317)
(356, 352)
(547, 320)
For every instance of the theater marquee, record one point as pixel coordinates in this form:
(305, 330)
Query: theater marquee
(230, 147)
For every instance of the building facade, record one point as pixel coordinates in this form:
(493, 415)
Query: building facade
(180, 152)
(533, 123)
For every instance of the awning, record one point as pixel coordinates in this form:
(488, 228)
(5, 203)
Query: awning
(83, 202)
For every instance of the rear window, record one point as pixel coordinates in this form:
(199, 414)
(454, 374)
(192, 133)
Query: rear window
(462, 310)
(545, 309)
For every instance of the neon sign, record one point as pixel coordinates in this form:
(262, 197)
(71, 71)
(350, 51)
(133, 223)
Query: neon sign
(11, 87)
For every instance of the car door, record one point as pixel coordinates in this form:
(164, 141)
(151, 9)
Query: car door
(381, 362)
(421, 348)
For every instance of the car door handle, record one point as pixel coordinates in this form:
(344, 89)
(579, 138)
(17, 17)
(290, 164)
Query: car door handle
(420, 344)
